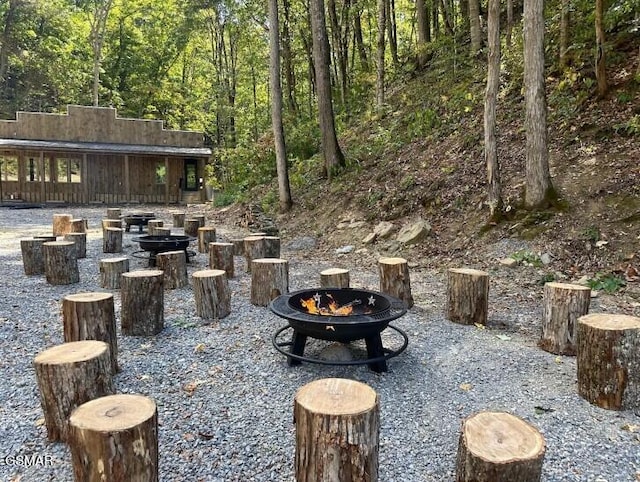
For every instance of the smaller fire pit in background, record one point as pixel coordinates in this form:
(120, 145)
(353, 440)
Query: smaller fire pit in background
(137, 219)
(161, 244)
(342, 315)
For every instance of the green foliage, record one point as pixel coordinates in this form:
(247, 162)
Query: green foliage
(630, 128)
(224, 198)
(546, 278)
(527, 258)
(244, 168)
(592, 234)
(607, 282)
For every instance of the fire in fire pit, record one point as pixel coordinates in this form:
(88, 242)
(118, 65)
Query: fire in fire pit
(341, 315)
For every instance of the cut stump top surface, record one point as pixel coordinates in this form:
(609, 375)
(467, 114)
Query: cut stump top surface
(88, 297)
(392, 260)
(113, 413)
(330, 271)
(567, 286)
(337, 396)
(59, 243)
(606, 321)
(501, 437)
(143, 273)
(206, 273)
(469, 271)
(71, 352)
(269, 260)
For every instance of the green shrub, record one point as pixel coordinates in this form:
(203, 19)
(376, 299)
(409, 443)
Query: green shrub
(608, 282)
(527, 258)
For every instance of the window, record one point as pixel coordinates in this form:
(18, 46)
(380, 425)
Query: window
(67, 170)
(9, 168)
(32, 170)
(161, 172)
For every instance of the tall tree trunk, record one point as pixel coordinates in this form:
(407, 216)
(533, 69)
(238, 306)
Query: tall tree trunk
(382, 18)
(538, 185)
(509, 22)
(601, 73)
(359, 41)
(339, 48)
(490, 100)
(392, 31)
(474, 27)
(435, 18)
(447, 17)
(287, 60)
(284, 189)
(98, 25)
(424, 34)
(564, 34)
(7, 42)
(333, 157)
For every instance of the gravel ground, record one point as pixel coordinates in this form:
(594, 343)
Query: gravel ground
(225, 395)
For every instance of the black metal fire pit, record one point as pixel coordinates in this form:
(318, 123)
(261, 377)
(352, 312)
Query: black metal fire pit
(161, 244)
(137, 219)
(369, 314)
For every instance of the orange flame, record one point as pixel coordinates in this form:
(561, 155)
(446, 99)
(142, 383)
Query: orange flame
(333, 309)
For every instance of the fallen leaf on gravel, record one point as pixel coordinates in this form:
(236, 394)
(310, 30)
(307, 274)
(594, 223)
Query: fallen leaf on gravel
(541, 410)
(466, 387)
(558, 360)
(630, 427)
(188, 436)
(503, 337)
(480, 326)
(199, 348)
(39, 422)
(190, 387)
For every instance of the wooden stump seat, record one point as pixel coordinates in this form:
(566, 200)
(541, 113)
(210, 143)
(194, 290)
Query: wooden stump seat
(254, 248)
(32, 256)
(211, 293)
(111, 223)
(206, 235)
(174, 266)
(78, 226)
(112, 240)
(178, 219)
(114, 213)
(191, 227)
(499, 447)
(69, 375)
(334, 278)
(269, 279)
(563, 304)
(142, 300)
(337, 428)
(395, 279)
(238, 246)
(91, 316)
(221, 257)
(80, 240)
(200, 218)
(61, 224)
(467, 296)
(271, 247)
(110, 271)
(115, 438)
(60, 262)
(608, 360)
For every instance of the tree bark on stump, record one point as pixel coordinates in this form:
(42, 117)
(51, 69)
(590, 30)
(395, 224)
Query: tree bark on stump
(608, 360)
(112, 240)
(156, 231)
(269, 279)
(395, 279)
(467, 296)
(271, 247)
(80, 241)
(60, 263)
(562, 306)
(115, 438)
(61, 224)
(142, 300)
(211, 293)
(178, 220)
(32, 256)
(238, 246)
(499, 447)
(206, 235)
(191, 227)
(254, 248)
(69, 375)
(337, 429)
(78, 226)
(200, 218)
(114, 213)
(91, 316)
(174, 266)
(221, 257)
(334, 278)
(111, 270)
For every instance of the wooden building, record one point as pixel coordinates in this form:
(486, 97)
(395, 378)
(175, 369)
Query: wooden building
(90, 155)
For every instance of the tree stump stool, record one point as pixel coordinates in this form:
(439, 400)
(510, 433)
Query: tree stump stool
(211, 293)
(200, 218)
(178, 220)
(254, 248)
(155, 223)
(69, 375)
(114, 213)
(562, 306)
(110, 271)
(608, 360)
(191, 227)
(32, 256)
(238, 246)
(271, 247)
(337, 428)
(61, 224)
(142, 300)
(110, 223)
(112, 240)
(78, 226)
(395, 279)
(467, 296)
(174, 266)
(269, 279)
(334, 278)
(115, 438)
(91, 316)
(499, 447)
(156, 231)
(80, 240)
(206, 235)
(60, 262)
(221, 257)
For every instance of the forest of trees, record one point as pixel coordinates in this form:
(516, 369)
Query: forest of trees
(205, 65)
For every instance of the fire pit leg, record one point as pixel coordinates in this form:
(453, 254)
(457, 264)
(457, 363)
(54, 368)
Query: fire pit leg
(298, 342)
(375, 350)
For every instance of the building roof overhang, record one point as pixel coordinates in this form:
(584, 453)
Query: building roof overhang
(104, 148)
